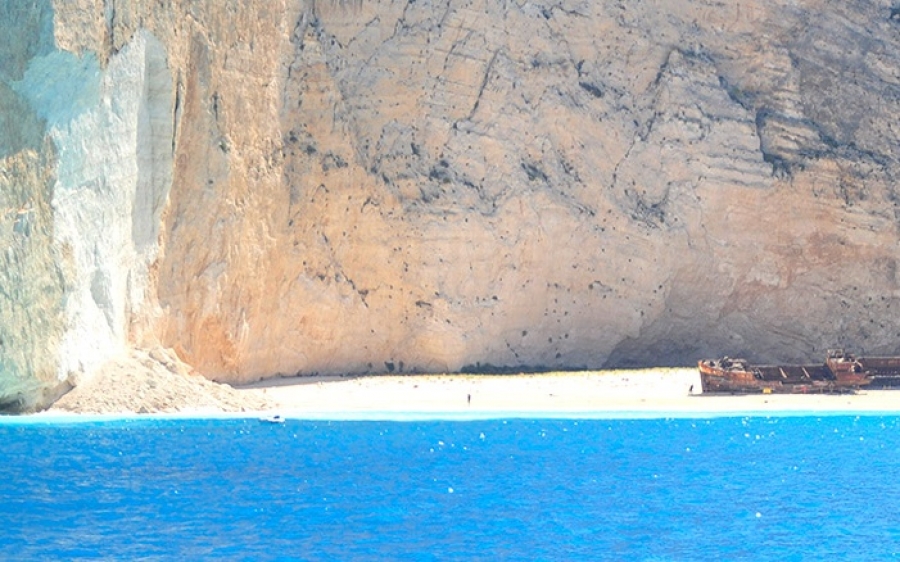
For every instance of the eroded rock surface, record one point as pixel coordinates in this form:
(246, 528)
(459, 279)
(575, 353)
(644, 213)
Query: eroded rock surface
(347, 187)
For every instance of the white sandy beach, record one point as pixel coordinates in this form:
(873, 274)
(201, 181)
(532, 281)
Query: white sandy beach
(156, 383)
(650, 392)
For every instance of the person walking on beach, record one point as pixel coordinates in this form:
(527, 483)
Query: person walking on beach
(469, 399)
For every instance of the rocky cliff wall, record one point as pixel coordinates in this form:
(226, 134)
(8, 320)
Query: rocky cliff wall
(87, 168)
(341, 186)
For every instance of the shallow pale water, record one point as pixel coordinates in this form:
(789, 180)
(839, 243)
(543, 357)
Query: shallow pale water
(791, 488)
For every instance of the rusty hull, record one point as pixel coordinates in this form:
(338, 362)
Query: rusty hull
(737, 376)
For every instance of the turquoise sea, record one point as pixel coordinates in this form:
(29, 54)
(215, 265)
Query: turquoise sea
(742, 488)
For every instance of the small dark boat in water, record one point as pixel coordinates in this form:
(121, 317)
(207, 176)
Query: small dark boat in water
(841, 372)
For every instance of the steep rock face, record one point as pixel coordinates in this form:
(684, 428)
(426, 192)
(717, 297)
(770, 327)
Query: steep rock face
(86, 172)
(342, 186)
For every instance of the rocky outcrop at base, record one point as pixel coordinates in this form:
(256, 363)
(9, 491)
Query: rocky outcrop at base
(146, 382)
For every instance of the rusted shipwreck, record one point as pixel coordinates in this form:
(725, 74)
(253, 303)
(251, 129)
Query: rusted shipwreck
(841, 372)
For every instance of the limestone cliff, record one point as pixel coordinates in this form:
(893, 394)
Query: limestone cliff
(334, 186)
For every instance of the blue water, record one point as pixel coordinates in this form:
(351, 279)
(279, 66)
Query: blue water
(792, 488)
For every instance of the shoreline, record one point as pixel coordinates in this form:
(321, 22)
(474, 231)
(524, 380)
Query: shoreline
(53, 418)
(624, 394)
